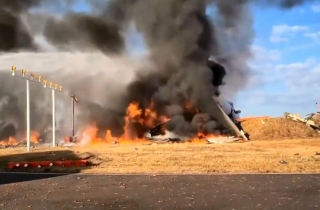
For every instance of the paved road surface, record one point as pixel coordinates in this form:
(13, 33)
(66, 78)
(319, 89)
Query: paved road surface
(218, 192)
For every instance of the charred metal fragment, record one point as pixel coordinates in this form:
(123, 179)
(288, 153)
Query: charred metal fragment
(166, 141)
(159, 129)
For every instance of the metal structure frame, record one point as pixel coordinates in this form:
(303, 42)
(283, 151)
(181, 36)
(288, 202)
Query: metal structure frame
(73, 99)
(50, 85)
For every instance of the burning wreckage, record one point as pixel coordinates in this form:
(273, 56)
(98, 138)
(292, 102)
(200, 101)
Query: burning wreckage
(160, 133)
(230, 131)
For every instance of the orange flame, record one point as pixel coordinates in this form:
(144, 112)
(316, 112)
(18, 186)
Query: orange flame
(34, 137)
(90, 136)
(134, 114)
(12, 141)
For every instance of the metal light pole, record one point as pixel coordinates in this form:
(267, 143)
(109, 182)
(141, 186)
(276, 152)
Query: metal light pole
(73, 99)
(28, 115)
(53, 89)
(24, 72)
(53, 119)
(72, 117)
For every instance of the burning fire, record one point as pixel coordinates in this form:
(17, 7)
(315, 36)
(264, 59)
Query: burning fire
(202, 135)
(134, 114)
(34, 137)
(148, 117)
(12, 141)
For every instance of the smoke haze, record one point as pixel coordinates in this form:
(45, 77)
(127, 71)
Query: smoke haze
(87, 54)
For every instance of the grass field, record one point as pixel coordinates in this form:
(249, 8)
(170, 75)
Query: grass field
(280, 156)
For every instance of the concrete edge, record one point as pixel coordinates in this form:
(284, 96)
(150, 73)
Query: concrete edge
(145, 174)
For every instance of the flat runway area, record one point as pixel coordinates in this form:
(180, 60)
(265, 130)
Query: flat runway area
(221, 192)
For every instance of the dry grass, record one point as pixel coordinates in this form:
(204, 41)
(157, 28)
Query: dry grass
(249, 157)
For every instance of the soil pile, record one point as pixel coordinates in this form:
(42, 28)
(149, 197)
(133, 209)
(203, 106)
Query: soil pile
(277, 128)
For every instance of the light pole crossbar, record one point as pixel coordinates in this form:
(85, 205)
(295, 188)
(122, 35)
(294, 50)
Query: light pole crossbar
(53, 87)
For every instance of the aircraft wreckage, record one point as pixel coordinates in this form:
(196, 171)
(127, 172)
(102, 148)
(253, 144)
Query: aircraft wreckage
(227, 114)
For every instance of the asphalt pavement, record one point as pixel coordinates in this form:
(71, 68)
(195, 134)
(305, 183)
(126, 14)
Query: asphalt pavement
(217, 192)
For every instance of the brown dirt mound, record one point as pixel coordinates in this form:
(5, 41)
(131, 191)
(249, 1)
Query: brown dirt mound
(277, 128)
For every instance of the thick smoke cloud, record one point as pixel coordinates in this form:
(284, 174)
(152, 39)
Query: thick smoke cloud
(76, 29)
(180, 38)
(12, 33)
(100, 92)
(84, 30)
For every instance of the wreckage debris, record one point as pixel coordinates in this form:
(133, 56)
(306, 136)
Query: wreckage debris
(309, 120)
(209, 140)
(71, 139)
(222, 140)
(18, 145)
(158, 135)
(159, 129)
(165, 141)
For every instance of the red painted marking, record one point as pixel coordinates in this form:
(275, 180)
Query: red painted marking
(35, 164)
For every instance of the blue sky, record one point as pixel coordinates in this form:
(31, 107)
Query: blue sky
(285, 63)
